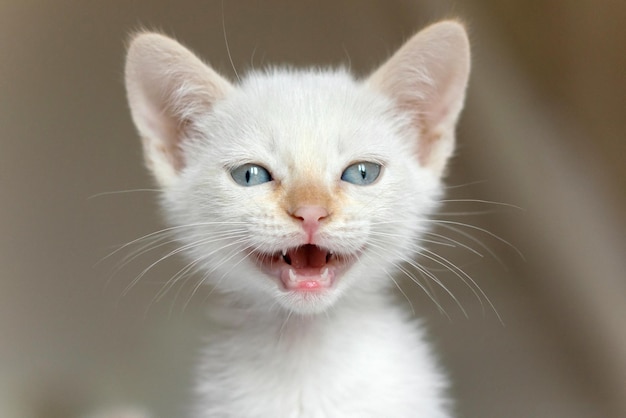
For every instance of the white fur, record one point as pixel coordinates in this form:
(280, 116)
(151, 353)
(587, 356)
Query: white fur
(347, 352)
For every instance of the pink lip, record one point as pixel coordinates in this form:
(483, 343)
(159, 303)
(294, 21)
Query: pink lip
(307, 279)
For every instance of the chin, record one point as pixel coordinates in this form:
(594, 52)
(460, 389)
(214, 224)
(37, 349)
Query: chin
(308, 302)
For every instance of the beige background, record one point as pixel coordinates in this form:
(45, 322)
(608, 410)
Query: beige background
(544, 130)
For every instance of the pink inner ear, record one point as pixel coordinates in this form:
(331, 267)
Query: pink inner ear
(163, 137)
(168, 87)
(427, 78)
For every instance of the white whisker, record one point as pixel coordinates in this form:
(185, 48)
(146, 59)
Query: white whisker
(449, 225)
(462, 274)
(283, 325)
(215, 267)
(116, 192)
(489, 202)
(454, 242)
(425, 272)
(166, 256)
(230, 58)
(169, 230)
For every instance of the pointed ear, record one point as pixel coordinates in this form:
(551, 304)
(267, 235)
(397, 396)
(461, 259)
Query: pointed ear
(427, 78)
(169, 90)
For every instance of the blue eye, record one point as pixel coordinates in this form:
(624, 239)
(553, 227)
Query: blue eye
(361, 174)
(250, 175)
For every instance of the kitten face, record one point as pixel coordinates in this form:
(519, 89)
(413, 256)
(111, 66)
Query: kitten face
(305, 236)
(294, 189)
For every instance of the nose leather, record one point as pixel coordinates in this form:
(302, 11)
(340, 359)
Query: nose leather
(310, 217)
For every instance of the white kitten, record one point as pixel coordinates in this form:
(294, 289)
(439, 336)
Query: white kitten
(296, 194)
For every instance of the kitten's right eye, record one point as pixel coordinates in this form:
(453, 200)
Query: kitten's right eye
(250, 175)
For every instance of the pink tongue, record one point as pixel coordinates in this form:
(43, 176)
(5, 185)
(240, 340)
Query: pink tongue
(307, 256)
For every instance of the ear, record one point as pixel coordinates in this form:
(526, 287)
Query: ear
(169, 90)
(427, 78)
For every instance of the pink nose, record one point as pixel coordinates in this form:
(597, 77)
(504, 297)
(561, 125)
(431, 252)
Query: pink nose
(310, 217)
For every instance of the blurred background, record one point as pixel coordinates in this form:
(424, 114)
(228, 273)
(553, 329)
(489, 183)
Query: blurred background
(543, 130)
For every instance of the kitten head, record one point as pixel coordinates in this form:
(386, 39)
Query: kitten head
(296, 188)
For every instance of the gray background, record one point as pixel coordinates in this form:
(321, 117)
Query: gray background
(544, 130)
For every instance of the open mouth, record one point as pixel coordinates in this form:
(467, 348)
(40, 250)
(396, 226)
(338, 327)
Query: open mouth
(305, 268)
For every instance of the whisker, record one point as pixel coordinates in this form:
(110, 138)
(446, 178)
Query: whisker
(454, 242)
(391, 235)
(448, 225)
(431, 276)
(226, 259)
(230, 58)
(115, 192)
(169, 284)
(461, 273)
(468, 213)
(169, 254)
(489, 202)
(169, 230)
(458, 186)
(405, 295)
(282, 326)
(197, 265)
(151, 246)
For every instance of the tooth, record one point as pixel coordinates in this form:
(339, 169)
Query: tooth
(324, 275)
(292, 275)
(284, 253)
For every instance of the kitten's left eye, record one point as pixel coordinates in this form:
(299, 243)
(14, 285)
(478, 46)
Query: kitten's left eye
(250, 175)
(362, 173)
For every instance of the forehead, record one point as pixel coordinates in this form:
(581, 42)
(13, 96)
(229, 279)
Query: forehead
(309, 120)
